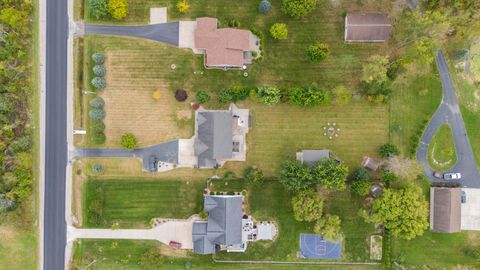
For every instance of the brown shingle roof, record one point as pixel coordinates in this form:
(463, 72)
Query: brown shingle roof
(370, 27)
(223, 47)
(445, 209)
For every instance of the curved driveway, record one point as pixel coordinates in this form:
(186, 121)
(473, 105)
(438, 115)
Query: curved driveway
(449, 113)
(163, 32)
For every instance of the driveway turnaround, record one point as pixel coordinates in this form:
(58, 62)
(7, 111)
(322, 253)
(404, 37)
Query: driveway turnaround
(449, 113)
(163, 32)
(166, 152)
(55, 135)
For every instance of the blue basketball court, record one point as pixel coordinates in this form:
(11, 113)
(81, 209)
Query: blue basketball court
(313, 246)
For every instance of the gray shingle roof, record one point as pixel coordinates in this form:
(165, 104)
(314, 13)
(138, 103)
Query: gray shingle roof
(370, 27)
(224, 225)
(313, 156)
(445, 209)
(214, 137)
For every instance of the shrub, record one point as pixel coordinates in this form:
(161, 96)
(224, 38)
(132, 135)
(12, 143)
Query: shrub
(341, 95)
(202, 97)
(253, 174)
(182, 6)
(360, 173)
(97, 114)
(264, 7)
(98, 138)
(97, 8)
(97, 126)
(267, 95)
(118, 9)
(361, 187)
(97, 103)
(99, 70)
(98, 58)
(298, 8)
(296, 176)
(279, 31)
(331, 174)
(22, 144)
(307, 206)
(97, 168)
(308, 97)
(233, 23)
(318, 52)
(128, 141)
(388, 150)
(233, 94)
(388, 177)
(181, 95)
(231, 193)
(99, 83)
(229, 175)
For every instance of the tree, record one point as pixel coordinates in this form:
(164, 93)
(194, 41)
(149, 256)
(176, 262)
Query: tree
(128, 141)
(156, 95)
(424, 51)
(253, 174)
(295, 176)
(341, 95)
(13, 17)
(267, 95)
(97, 8)
(181, 95)
(118, 9)
(98, 58)
(97, 114)
(97, 103)
(308, 97)
(298, 8)
(404, 212)
(388, 150)
(97, 126)
(99, 83)
(182, 6)
(329, 227)
(331, 174)
(361, 187)
(375, 70)
(388, 177)
(264, 7)
(98, 138)
(99, 70)
(279, 31)
(307, 206)
(202, 97)
(97, 168)
(318, 52)
(361, 173)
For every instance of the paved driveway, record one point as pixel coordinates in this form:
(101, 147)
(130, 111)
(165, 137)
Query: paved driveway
(166, 152)
(449, 113)
(163, 32)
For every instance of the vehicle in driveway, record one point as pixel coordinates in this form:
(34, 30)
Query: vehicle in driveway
(152, 163)
(438, 175)
(452, 176)
(175, 245)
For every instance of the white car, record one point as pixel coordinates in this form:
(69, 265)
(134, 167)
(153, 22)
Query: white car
(452, 176)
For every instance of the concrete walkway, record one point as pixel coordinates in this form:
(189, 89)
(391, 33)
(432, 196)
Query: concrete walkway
(449, 113)
(171, 230)
(163, 32)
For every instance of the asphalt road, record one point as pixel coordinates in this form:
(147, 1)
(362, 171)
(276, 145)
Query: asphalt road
(449, 113)
(55, 135)
(163, 32)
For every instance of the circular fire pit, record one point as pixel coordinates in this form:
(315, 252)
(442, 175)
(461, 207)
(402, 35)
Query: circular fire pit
(331, 130)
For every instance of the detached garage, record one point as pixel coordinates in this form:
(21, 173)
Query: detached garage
(369, 27)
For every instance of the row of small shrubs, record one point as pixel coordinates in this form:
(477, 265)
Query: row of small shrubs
(261, 36)
(117, 9)
(231, 193)
(97, 127)
(415, 139)
(99, 71)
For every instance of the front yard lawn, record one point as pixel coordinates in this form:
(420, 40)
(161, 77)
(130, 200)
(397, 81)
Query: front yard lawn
(441, 150)
(134, 202)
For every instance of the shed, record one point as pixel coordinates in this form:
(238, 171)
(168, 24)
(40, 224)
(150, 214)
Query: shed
(370, 163)
(312, 156)
(367, 27)
(445, 209)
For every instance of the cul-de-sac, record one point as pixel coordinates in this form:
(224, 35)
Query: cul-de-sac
(253, 134)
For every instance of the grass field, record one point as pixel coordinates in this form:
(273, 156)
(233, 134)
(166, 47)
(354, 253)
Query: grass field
(133, 202)
(441, 150)
(18, 247)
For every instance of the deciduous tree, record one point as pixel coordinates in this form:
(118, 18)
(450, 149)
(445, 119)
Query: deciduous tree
(97, 8)
(298, 8)
(329, 227)
(307, 206)
(295, 176)
(279, 31)
(128, 141)
(331, 174)
(118, 9)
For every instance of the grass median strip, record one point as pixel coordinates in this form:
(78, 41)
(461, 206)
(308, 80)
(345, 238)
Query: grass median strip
(441, 150)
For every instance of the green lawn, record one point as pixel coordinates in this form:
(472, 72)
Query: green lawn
(133, 202)
(441, 150)
(437, 250)
(410, 108)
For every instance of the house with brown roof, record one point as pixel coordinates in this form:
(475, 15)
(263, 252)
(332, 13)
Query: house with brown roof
(367, 27)
(224, 47)
(445, 209)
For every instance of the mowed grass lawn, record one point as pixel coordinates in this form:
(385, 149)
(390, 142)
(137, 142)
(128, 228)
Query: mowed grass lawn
(134, 202)
(441, 150)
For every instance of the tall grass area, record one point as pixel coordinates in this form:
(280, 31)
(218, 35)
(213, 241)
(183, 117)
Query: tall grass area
(134, 202)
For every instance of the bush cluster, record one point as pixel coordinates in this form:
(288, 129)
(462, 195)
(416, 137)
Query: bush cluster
(261, 36)
(415, 139)
(202, 97)
(97, 127)
(233, 94)
(308, 96)
(117, 9)
(318, 52)
(128, 141)
(298, 8)
(279, 31)
(268, 95)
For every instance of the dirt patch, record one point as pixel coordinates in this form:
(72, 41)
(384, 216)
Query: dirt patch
(184, 115)
(171, 252)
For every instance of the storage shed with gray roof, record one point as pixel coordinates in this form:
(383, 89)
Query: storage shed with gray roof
(224, 225)
(445, 209)
(313, 156)
(213, 139)
(369, 27)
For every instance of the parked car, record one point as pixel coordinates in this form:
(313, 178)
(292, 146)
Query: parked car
(452, 176)
(175, 245)
(438, 175)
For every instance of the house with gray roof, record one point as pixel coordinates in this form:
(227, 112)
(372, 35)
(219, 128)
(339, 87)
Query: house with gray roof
(220, 136)
(223, 227)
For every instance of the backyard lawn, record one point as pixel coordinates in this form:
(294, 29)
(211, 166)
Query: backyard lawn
(134, 202)
(441, 150)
